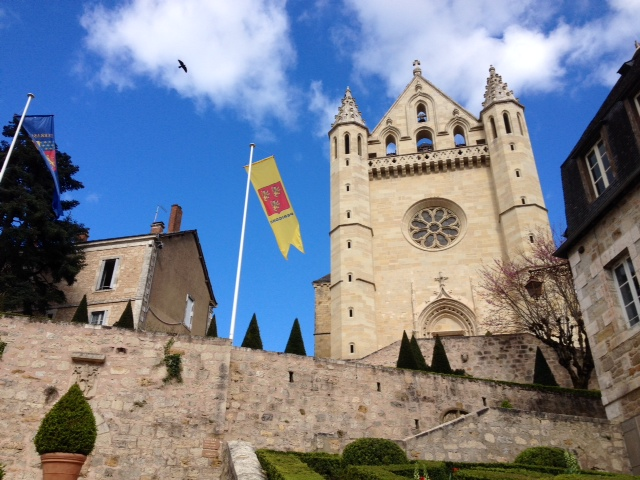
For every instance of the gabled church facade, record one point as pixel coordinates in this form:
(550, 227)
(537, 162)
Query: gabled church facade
(418, 205)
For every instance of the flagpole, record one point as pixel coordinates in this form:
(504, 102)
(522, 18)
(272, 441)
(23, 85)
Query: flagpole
(244, 223)
(30, 96)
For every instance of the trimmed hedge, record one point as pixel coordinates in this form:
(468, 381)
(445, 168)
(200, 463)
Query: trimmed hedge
(367, 472)
(545, 456)
(436, 470)
(499, 474)
(595, 476)
(503, 466)
(285, 466)
(373, 451)
(326, 464)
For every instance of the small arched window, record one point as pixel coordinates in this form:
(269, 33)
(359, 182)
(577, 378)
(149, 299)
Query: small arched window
(507, 122)
(518, 173)
(494, 131)
(347, 187)
(346, 162)
(359, 144)
(424, 141)
(458, 136)
(523, 200)
(348, 213)
(346, 143)
(349, 276)
(351, 312)
(390, 142)
(532, 239)
(348, 243)
(421, 112)
(352, 347)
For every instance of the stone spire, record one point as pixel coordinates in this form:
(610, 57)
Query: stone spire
(348, 111)
(496, 89)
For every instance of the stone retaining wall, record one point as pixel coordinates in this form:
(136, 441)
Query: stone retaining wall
(499, 435)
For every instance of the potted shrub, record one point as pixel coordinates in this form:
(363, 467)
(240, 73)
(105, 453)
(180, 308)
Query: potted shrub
(66, 436)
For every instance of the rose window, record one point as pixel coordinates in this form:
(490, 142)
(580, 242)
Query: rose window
(434, 228)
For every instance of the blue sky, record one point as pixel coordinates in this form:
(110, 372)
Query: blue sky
(145, 134)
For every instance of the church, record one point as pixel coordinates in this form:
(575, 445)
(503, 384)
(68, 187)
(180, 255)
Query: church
(418, 205)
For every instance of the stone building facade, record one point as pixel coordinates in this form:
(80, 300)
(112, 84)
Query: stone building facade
(163, 275)
(417, 205)
(149, 428)
(601, 181)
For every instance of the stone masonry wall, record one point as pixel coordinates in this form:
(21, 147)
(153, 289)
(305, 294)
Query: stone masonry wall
(500, 357)
(149, 429)
(499, 435)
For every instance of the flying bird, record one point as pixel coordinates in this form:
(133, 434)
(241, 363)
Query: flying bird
(182, 65)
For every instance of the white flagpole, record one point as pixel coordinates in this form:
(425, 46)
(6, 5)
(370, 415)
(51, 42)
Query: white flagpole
(244, 223)
(30, 96)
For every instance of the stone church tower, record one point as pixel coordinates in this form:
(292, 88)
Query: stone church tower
(418, 205)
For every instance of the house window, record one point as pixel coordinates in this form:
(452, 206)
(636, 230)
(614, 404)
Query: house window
(97, 318)
(188, 312)
(628, 289)
(108, 274)
(599, 168)
(347, 146)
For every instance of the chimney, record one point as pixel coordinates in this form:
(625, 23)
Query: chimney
(175, 219)
(157, 228)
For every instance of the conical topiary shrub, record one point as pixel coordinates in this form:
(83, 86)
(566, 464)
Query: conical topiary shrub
(82, 313)
(417, 355)
(252, 337)
(542, 374)
(69, 427)
(126, 319)
(212, 331)
(295, 344)
(406, 359)
(440, 361)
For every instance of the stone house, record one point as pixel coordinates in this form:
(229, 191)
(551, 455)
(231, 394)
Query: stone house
(417, 206)
(164, 275)
(601, 182)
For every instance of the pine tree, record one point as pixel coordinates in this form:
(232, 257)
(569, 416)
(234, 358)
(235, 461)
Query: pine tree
(406, 359)
(295, 344)
(126, 319)
(252, 337)
(417, 355)
(439, 361)
(37, 251)
(542, 374)
(212, 331)
(82, 314)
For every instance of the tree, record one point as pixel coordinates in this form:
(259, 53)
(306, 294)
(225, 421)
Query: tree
(552, 314)
(542, 374)
(212, 331)
(37, 251)
(126, 319)
(440, 361)
(417, 355)
(252, 337)
(295, 344)
(406, 358)
(82, 314)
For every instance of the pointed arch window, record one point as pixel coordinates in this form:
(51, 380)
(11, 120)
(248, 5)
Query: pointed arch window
(335, 147)
(390, 142)
(459, 136)
(359, 144)
(421, 113)
(424, 141)
(347, 147)
(520, 123)
(494, 130)
(507, 122)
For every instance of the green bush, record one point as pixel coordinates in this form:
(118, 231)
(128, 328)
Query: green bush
(295, 345)
(417, 355)
(69, 427)
(406, 358)
(285, 466)
(436, 470)
(594, 476)
(1, 471)
(373, 451)
(499, 474)
(252, 338)
(506, 404)
(367, 472)
(503, 467)
(439, 360)
(326, 464)
(545, 456)
(126, 319)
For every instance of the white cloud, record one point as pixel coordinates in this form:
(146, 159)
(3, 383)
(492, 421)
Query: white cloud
(237, 52)
(324, 108)
(529, 42)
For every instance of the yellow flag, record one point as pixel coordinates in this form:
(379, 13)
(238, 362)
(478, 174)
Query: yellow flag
(267, 183)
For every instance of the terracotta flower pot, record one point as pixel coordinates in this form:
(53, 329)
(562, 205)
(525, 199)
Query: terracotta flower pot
(61, 466)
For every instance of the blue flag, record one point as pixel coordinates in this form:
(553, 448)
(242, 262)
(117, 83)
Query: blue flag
(40, 129)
